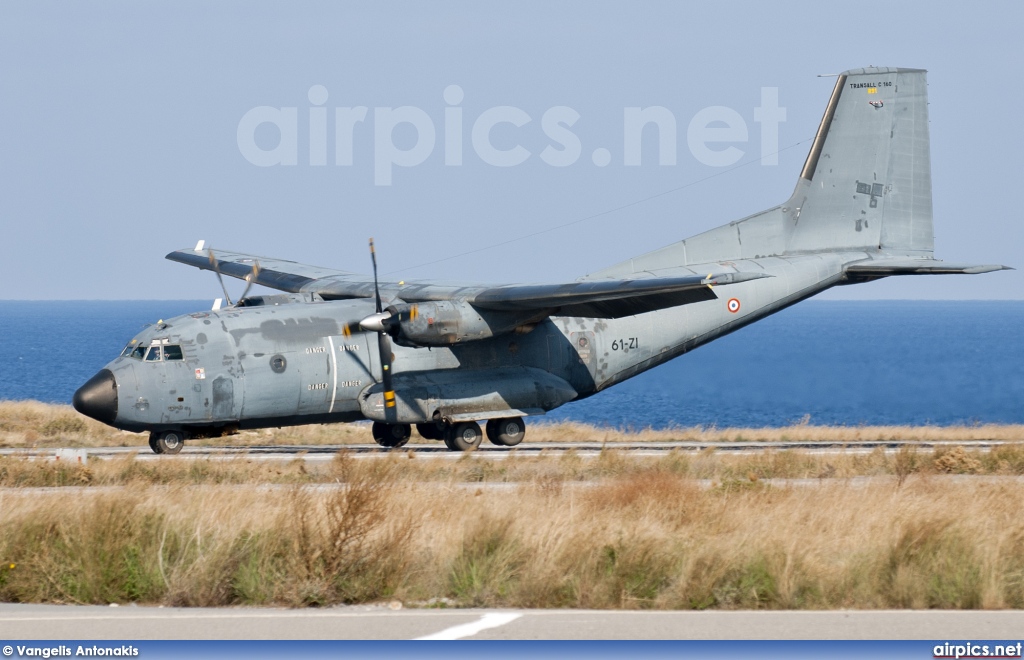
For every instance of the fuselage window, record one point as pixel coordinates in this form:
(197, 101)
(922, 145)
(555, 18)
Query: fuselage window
(154, 354)
(173, 352)
(139, 352)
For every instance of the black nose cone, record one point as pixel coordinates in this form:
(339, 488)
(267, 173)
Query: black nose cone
(98, 397)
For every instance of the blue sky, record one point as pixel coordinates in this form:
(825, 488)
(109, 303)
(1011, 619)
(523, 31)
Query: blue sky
(119, 134)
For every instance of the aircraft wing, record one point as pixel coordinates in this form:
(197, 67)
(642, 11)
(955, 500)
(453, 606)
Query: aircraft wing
(613, 298)
(279, 274)
(607, 298)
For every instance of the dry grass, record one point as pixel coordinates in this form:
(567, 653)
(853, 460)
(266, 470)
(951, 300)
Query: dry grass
(209, 546)
(636, 540)
(682, 530)
(33, 424)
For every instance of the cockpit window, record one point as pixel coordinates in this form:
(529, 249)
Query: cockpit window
(156, 350)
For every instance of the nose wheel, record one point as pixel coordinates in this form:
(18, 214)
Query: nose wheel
(166, 442)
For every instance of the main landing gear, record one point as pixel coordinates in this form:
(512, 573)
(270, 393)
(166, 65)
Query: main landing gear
(391, 436)
(166, 442)
(507, 432)
(462, 436)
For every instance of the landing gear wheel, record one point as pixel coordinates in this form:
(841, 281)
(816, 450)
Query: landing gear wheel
(507, 432)
(166, 442)
(431, 430)
(463, 437)
(391, 435)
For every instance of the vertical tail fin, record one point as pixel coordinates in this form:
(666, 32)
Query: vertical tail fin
(865, 186)
(866, 183)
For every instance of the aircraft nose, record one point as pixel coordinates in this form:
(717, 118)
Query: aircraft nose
(98, 397)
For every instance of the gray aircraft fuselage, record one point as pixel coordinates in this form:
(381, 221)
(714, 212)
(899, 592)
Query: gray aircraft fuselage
(277, 365)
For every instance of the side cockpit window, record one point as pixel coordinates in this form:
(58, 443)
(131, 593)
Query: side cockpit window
(138, 352)
(154, 354)
(128, 349)
(173, 352)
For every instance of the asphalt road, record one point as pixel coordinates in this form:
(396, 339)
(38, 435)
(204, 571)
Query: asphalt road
(583, 449)
(62, 622)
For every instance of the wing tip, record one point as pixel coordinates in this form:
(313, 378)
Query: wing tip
(986, 268)
(884, 268)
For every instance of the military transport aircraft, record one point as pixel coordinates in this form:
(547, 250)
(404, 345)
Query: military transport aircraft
(339, 347)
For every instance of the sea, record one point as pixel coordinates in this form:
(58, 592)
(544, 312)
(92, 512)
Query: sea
(826, 362)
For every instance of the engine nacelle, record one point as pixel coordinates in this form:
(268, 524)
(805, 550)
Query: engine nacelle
(446, 322)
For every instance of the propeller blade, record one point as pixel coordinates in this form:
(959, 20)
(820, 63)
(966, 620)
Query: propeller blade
(216, 269)
(384, 346)
(379, 322)
(376, 287)
(250, 279)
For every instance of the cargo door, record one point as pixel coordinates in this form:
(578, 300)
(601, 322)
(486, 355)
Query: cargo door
(271, 384)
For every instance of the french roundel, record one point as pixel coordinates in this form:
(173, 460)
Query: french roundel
(733, 305)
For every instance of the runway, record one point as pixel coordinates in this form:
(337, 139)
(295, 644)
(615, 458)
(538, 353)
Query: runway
(437, 449)
(57, 622)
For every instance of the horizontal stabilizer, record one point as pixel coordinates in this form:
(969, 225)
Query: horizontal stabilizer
(887, 267)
